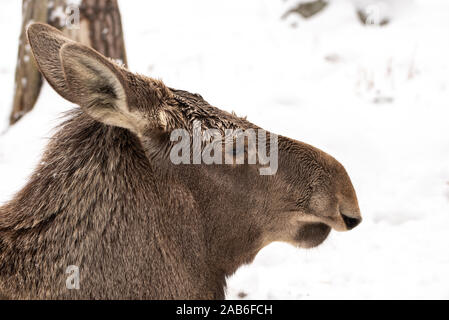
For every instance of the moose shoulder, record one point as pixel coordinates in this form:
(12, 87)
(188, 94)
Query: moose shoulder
(107, 199)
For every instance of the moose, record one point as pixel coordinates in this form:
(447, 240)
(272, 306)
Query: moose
(107, 199)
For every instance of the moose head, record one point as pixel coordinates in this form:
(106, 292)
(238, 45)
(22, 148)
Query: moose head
(219, 213)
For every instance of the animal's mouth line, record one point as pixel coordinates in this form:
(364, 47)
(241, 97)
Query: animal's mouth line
(312, 218)
(331, 222)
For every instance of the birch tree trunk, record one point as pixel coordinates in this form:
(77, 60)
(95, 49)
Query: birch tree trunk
(96, 23)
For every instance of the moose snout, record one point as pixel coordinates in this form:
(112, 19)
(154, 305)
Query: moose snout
(350, 216)
(351, 222)
(344, 221)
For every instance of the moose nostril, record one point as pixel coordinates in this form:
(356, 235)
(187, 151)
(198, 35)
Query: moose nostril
(351, 223)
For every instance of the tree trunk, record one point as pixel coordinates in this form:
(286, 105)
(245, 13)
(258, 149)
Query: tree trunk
(28, 80)
(102, 22)
(96, 23)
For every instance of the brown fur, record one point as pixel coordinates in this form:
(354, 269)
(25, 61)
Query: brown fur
(107, 198)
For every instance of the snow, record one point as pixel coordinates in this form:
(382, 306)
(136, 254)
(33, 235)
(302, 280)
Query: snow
(375, 98)
(58, 13)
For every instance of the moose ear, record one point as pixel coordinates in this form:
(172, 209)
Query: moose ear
(82, 76)
(99, 86)
(45, 43)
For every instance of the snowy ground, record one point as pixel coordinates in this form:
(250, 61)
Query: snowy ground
(375, 98)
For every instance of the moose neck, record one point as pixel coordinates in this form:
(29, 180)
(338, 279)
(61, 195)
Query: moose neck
(232, 234)
(223, 196)
(95, 199)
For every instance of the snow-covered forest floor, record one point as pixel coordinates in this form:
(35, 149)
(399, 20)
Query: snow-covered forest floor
(377, 99)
